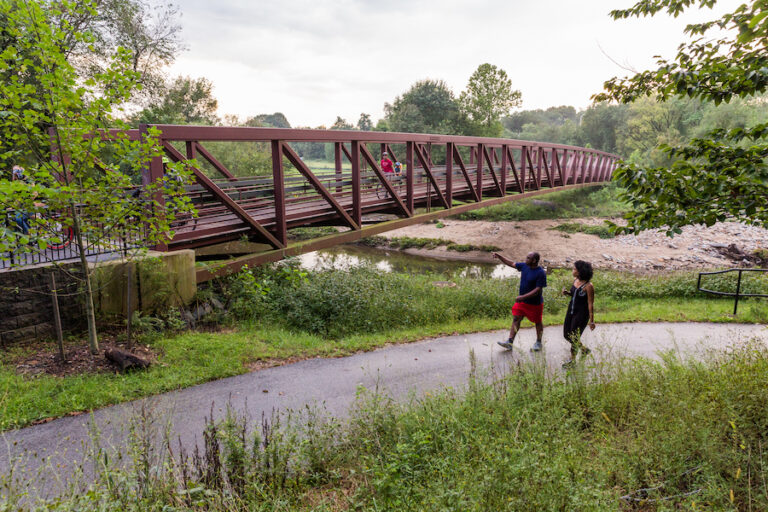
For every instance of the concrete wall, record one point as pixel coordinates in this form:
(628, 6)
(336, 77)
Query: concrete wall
(157, 282)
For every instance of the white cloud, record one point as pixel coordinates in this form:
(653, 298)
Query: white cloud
(316, 59)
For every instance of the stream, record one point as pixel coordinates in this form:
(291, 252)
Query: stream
(387, 260)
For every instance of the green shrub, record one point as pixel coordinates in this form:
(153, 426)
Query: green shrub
(601, 230)
(566, 204)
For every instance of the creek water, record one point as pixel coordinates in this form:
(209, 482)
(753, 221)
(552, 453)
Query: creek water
(346, 256)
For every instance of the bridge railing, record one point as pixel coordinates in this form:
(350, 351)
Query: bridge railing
(437, 170)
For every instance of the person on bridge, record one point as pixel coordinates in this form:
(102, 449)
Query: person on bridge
(21, 217)
(581, 311)
(530, 301)
(386, 163)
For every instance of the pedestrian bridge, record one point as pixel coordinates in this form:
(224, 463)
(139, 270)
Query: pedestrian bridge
(442, 175)
(257, 184)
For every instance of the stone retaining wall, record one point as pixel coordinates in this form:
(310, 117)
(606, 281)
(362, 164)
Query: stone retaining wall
(26, 305)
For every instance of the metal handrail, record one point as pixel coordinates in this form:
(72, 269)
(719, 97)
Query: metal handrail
(738, 293)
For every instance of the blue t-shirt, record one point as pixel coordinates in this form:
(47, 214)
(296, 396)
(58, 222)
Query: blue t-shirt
(531, 278)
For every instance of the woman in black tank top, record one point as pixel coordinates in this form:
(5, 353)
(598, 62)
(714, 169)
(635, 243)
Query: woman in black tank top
(580, 312)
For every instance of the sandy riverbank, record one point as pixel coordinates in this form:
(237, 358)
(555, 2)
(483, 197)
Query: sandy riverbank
(697, 247)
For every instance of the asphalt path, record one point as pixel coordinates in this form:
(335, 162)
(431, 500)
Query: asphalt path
(47, 456)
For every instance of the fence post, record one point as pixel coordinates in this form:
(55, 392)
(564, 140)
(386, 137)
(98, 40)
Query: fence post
(57, 318)
(738, 290)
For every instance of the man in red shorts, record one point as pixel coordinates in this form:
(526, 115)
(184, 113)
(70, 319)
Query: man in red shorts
(530, 302)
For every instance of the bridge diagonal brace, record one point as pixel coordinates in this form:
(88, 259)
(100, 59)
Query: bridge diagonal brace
(300, 166)
(556, 165)
(213, 161)
(514, 170)
(375, 166)
(546, 168)
(457, 158)
(428, 170)
(536, 176)
(487, 156)
(222, 196)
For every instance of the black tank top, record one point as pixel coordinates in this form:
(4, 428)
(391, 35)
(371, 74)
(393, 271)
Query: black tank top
(579, 303)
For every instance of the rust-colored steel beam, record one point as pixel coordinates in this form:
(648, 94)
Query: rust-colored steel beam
(511, 159)
(251, 260)
(543, 159)
(504, 165)
(300, 166)
(234, 134)
(479, 176)
(357, 203)
(384, 181)
(213, 161)
(278, 184)
(410, 170)
(460, 161)
(449, 173)
(227, 201)
(427, 164)
(228, 209)
(496, 181)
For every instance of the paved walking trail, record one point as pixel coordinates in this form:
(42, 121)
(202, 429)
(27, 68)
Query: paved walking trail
(397, 370)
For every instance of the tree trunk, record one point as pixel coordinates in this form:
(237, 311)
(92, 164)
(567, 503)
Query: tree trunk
(90, 311)
(125, 360)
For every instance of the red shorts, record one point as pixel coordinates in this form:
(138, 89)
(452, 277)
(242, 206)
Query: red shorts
(533, 312)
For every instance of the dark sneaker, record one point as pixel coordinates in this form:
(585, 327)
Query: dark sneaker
(506, 344)
(536, 346)
(568, 364)
(585, 351)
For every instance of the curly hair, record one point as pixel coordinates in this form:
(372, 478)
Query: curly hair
(584, 269)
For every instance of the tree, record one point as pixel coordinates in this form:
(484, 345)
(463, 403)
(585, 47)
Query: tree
(186, 101)
(601, 124)
(84, 180)
(723, 173)
(341, 124)
(364, 123)
(427, 107)
(489, 96)
(276, 120)
(146, 31)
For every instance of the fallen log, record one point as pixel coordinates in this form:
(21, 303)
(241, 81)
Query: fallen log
(125, 360)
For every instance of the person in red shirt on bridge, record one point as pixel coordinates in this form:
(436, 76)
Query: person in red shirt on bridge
(386, 163)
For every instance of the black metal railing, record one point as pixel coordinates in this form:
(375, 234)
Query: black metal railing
(738, 293)
(113, 242)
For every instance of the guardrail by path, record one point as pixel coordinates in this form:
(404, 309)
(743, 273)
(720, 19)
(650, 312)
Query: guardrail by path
(737, 295)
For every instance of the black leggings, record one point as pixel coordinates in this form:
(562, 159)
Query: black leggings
(573, 326)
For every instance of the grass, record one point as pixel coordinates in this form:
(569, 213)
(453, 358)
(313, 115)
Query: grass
(566, 204)
(334, 313)
(308, 233)
(600, 230)
(622, 435)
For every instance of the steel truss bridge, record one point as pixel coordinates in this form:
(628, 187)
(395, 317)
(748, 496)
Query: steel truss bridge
(442, 175)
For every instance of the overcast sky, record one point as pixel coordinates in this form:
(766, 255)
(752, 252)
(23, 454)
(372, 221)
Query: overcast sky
(316, 59)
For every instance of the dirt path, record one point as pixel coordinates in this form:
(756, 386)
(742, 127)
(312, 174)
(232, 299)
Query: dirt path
(696, 247)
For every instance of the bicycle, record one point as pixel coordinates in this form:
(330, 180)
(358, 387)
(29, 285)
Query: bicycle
(55, 234)
(395, 180)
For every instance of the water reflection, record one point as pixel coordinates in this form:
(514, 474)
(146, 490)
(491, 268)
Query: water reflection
(344, 257)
